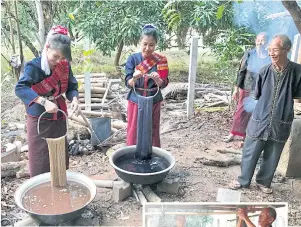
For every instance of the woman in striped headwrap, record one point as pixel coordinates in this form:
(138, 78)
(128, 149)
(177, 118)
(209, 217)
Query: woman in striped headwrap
(41, 88)
(137, 65)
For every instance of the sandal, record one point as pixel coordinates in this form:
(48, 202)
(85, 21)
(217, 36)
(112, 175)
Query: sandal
(229, 138)
(235, 185)
(264, 188)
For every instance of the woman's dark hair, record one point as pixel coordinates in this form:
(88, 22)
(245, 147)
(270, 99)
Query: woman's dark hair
(149, 30)
(62, 42)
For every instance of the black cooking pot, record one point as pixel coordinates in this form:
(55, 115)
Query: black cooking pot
(142, 178)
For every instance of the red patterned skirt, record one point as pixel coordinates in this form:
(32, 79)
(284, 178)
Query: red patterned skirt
(132, 116)
(38, 153)
(241, 117)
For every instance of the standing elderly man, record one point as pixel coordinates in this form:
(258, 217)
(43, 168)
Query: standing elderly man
(266, 218)
(269, 127)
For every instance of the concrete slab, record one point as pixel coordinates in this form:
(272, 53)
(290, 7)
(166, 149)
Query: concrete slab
(228, 195)
(290, 160)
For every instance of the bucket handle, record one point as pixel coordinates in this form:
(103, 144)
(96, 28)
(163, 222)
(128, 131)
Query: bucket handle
(38, 126)
(147, 75)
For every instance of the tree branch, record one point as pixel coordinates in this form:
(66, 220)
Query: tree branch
(27, 42)
(294, 9)
(5, 58)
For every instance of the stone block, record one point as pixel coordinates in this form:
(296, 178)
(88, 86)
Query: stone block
(227, 195)
(11, 154)
(290, 160)
(171, 186)
(121, 191)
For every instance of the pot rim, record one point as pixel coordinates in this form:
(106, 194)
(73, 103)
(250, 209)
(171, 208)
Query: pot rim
(46, 177)
(172, 164)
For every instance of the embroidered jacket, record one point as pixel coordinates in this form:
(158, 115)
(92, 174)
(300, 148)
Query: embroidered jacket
(136, 61)
(34, 82)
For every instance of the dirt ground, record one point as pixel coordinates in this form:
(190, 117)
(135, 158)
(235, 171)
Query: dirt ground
(199, 137)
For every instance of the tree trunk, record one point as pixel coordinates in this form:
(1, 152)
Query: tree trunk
(118, 54)
(49, 10)
(294, 9)
(27, 42)
(181, 37)
(20, 42)
(41, 21)
(11, 29)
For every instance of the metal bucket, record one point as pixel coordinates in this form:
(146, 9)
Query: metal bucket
(142, 178)
(102, 128)
(59, 218)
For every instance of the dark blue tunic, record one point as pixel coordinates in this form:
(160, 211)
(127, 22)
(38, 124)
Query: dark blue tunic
(274, 112)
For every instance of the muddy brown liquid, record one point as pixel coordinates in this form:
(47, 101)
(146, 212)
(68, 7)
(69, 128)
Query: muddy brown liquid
(45, 199)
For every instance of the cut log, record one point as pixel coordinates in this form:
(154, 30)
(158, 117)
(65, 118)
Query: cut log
(113, 130)
(17, 125)
(220, 163)
(118, 124)
(93, 75)
(9, 169)
(93, 80)
(150, 195)
(230, 151)
(174, 129)
(77, 119)
(23, 173)
(13, 165)
(93, 100)
(219, 103)
(94, 105)
(98, 84)
(96, 114)
(97, 90)
(107, 183)
(110, 96)
(140, 196)
(211, 109)
(224, 98)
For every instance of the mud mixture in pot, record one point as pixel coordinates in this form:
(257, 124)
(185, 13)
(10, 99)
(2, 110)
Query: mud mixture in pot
(45, 199)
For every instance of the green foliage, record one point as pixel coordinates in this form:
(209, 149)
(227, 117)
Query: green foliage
(229, 47)
(220, 11)
(108, 23)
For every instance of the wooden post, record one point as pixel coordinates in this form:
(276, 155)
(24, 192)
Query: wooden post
(296, 54)
(192, 76)
(295, 48)
(87, 84)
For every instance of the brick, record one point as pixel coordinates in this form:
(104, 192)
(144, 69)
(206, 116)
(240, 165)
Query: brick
(171, 186)
(121, 191)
